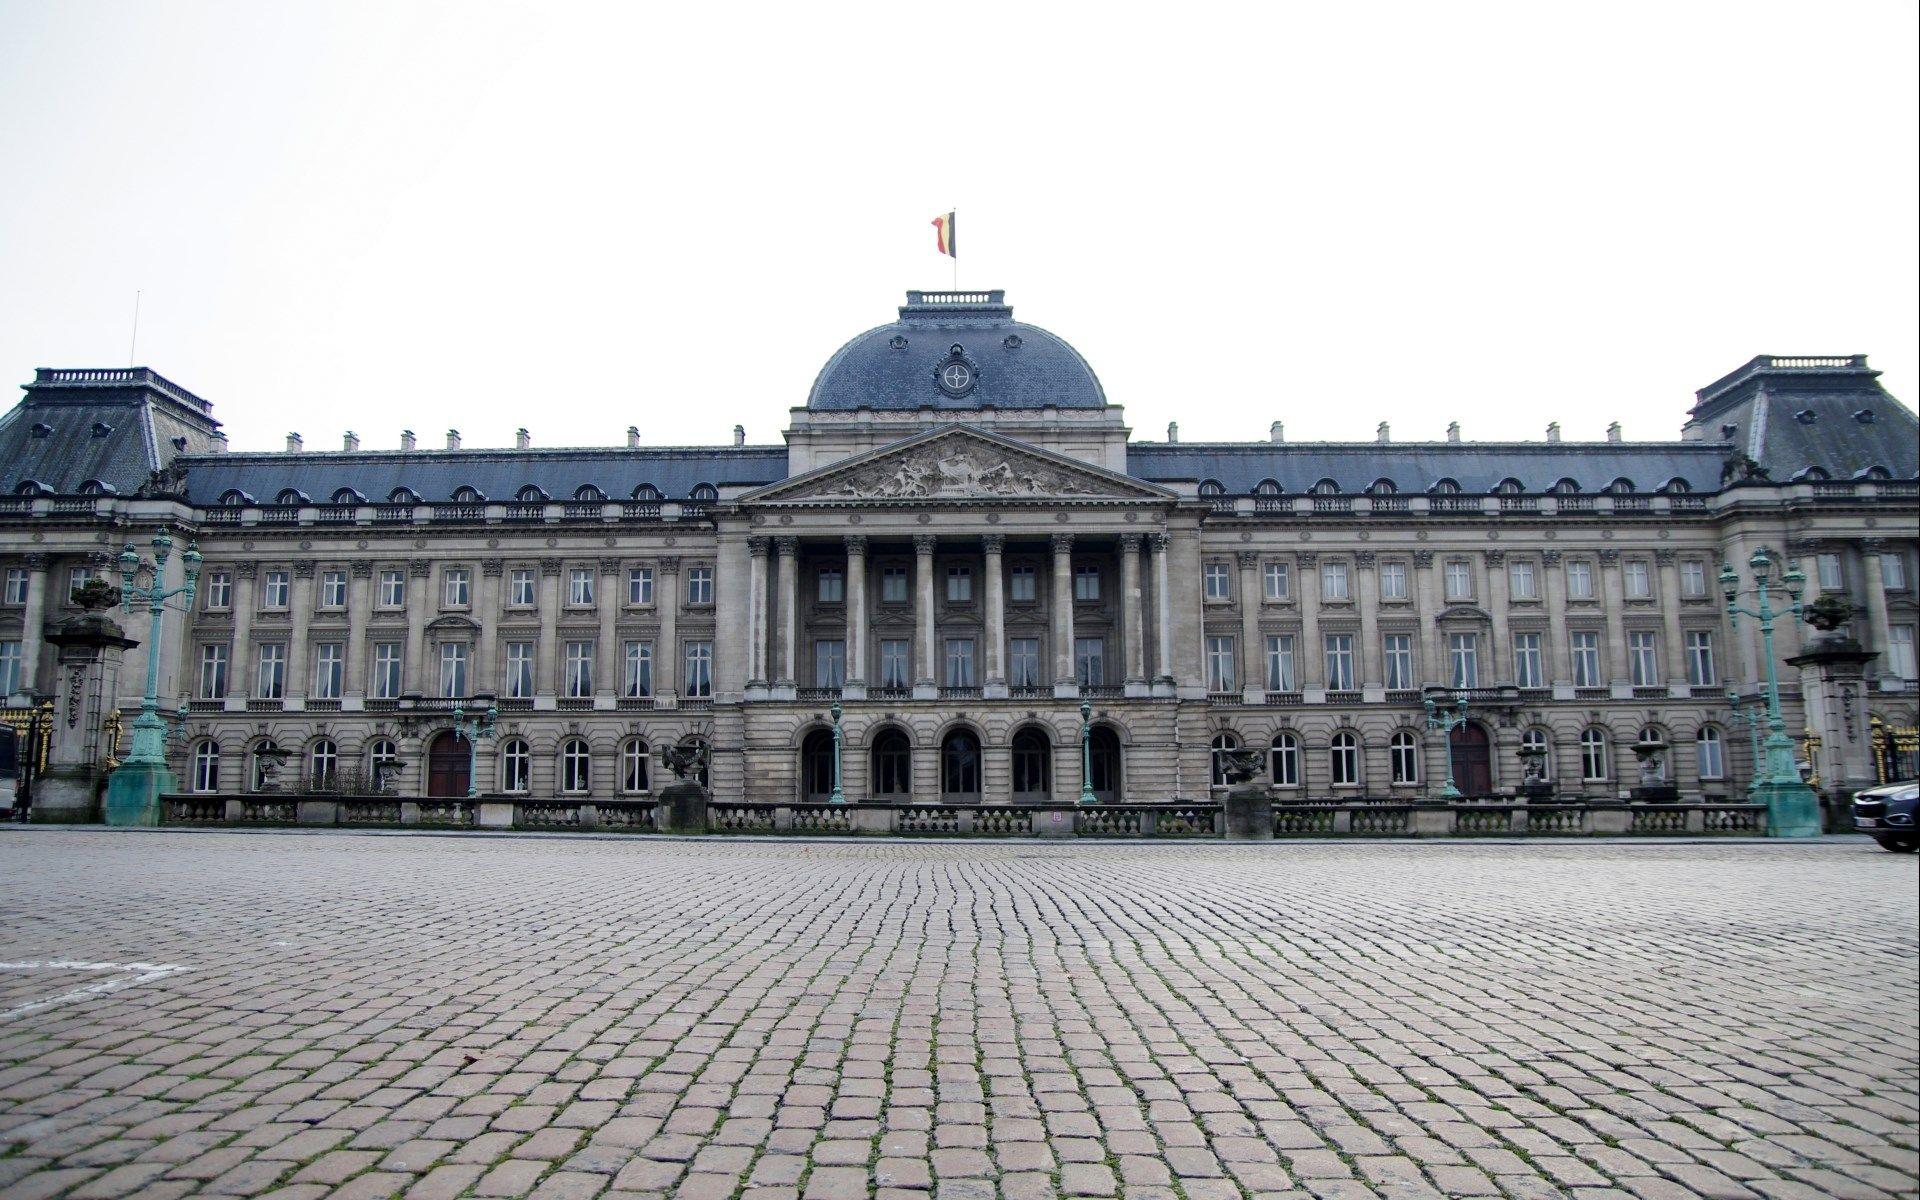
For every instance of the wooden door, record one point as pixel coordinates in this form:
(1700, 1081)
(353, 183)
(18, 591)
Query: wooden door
(448, 763)
(1472, 760)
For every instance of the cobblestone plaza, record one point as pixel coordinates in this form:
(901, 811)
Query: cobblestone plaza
(371, 1015)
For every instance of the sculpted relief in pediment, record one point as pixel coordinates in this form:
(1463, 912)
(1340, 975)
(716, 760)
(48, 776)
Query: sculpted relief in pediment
(956, 471)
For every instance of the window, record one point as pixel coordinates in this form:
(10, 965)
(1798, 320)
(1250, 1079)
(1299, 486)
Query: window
(1339, 647)
(1710, 753)
(393, 589)
(520, 587)
(1900, 651)
(1398, 660)
(1459, 577)
(895, 663)
(1217, 749)
(699, 669)
(1032, 763)
(1343, 760)
(333, 589)
(633, 766)
(1086, 583)
(1521, 583)
(453, 669)
(1333, 581)
(960, 765)
(275, 593)
(1579, 579)
(580, 587)
(1023, 662)
(1893, 571)
(892, 764)
(640, 585)
(1586, 659)
(829, 663)
(1700, 668)
(699, 585)
(213, 672)
(329, 670)
(959, 662)
(1214, 578)
(1593, 755)
(264, 761)
(576, 766)
(1463, 659)
(893, 584)
(519, 670)
(219, 585)
(637, 676)
(273, 671)
(1280, 662)
(1393, 581)
(1403, 757)
(1643, 658)
(1220, 673)
(1639, 579)
(1278, 585)
(578, 677)
(1833, 577)
(456, 589)
(1693, 577)
(77, 578)
(516, 766)
(959, 585)
(323, 764)
(830, 586)
(1285, 764)
(386, 670)
(9, 667)
(206, 767)
(1089, 661)
(18, 579)
(1528, 670)
(1021, 583)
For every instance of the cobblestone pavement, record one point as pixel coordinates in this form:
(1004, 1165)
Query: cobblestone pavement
(361, 1016)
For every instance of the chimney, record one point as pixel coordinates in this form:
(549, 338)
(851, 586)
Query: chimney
(1453, 431)
(522, 440)
(1277, 432)
(407, 441)
(1383, 433)
(633, 437)
(1173, 431)
(350, 442)
(1613, 432)
(217, 443)
(739, 435)
(453, 439)
(294, 445)
(1553, 431)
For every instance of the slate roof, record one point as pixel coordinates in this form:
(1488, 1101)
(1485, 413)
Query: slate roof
(1415, 467)
(1792, 414)
(72, 452)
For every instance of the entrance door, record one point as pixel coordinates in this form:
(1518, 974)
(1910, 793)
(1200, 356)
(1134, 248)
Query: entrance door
(1472, 760)
(448, 761)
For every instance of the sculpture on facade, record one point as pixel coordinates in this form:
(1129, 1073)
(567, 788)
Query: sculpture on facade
(958, 471)
(687, 760)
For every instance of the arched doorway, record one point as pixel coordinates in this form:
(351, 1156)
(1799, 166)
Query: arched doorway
(892, 767)
(1103, 764)
(1472, 759)
(960, 768)
(449, 759)
(1032, 766)
(816, 767)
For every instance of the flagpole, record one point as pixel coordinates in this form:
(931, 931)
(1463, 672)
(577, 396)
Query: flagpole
(956, 248)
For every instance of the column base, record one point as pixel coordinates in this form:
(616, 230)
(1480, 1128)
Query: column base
(1134, 689)
(133, 793)
(756, 691)
(853, 691)
(994, 690)
(925, 690)
(1164, 688)
(1793, 811)
(1066, 690)
(784, 689)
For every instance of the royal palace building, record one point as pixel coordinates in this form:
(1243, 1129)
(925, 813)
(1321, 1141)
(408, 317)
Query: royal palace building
(962, 546)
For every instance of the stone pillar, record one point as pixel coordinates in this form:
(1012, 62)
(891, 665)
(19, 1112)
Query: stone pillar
(240, 658)
(486, 644)
(1309, 657)
(856, 605)
(1427, 616)
(789, 586)
(1837, 709)
(1613, 592)
(90, 649)
(1253, 683)
(1133, 622)
(993, 545)
(606, 651)
(359, 577)
(924, 687)
(300, 616)
(1366, 587)
(1879, 624)
(757, 548)
(420, 600)
(666, 655)
(1496, 664)
(33, 626)
(1163, 678)
(1065, 684)
(1673, 639)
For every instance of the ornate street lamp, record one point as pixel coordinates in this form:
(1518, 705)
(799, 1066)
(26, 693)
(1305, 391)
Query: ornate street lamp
(1755, 716)
(1446, 721)
(838, 796)
(1792, 808)
(133, 791)
(1086, 753)
(473, 730)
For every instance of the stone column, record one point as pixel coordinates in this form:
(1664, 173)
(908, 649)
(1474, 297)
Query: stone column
(240, 657)
(90, 647)
(300, 618)
(1427, 614)
(1496, 664)
(359, 575)
(1133, 623)
(34, 620)
(993, 545)
(1613, 592)
(1557, 654)
(757, 548)
(1064, 682)
(1310, 657)
(486, 643)
(420, 599)
(1670, 632)
(789, 551)
(666, 655)
(1879, 624)
(1253, 682)
(1366, 590)
(548, 660)
(856, 605)
(924, 687)
(1163, 679)
(606, 653)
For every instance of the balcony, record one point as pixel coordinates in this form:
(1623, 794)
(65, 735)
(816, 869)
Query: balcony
(816, 694)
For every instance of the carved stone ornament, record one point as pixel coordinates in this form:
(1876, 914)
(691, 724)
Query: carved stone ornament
(959, 470)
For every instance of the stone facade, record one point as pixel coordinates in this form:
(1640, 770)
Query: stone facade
(960, 558)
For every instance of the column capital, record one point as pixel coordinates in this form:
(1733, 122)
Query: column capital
(856, 544)
(38, 562)
(758, 546)
(609, 566)
(1158, 541)
(1248, 559)
(549, 566)
(490, 568)
(667, 566)
(1062, 543)
(1493, 558)
(1609, 556)
(993, 543)
(923, 543)
(1663, 557)
(1363, 560)
(1307, 558)
(420, 568)
(1422, 559)
(787, 546)
(1550, 558)
(303, 568)
(361, 568)
(249, 569)
(1130, 543)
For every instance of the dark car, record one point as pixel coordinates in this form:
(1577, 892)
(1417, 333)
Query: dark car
(1886, 814)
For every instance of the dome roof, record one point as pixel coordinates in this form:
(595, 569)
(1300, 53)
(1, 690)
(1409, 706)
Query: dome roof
(955, 350)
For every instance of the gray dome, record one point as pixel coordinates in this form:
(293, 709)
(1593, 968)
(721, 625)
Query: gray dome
(970, 341)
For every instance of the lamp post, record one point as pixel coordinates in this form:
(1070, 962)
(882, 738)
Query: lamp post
(838, 796)
(473, 730)
(1446, 721)
(1792, 808)
(134, 789)
(1086, 753)
(1754, 718)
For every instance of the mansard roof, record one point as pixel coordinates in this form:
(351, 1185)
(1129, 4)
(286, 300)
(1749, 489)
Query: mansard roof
(1240, 467)
(113, 427)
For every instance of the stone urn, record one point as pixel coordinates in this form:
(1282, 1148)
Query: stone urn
(1651, 754)
(684, 802)
(1249, 805)
(1534, 783)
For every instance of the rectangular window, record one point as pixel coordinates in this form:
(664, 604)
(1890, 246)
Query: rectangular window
(832, 587)
(700, 591)
(1213, 578)
(700, 669)
(1280, 676)
(1339, 648)
(1021, 583)
(1333, 581)
(580, 587)
(520, 593)
(275, 592)
(18, 577)
(829, 663)
(1643, 658)
(333, 589)
(640, 586)
(1528, 669)
(1700, 669)
(578, 679)
(9, 667)
(895, 663)
(393, 589)
(1521, 584)
(893, 584)
(387, 661)
(959, 662)
(637, 677)
(1220, 666)
(1278, 585)
(273, 671)
(520, 670)
(1893, 571)
(77, 578)
(1459, 579)
(1398, 649)
(219, 590)
(1639, 576)
(1090, 661)
(1833, 577)
(329, 670)
(453, 669)
(1086, 583)
(1579, 580)
(1900, 652)
(1393, 581)
(1023, 662)
(1586, 659)
(1693, 577)
(1463, 659)
(959, 585)
(213, 672)
(456, 590)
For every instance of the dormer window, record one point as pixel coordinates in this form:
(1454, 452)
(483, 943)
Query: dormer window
(1446, 487)
(1510, 487)
(529, 495)
(1863, 415)
(41, 429)
(467, 495)
(101, 429)
(1806, 416)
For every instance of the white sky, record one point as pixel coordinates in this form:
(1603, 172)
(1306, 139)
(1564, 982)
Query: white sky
(577, 218)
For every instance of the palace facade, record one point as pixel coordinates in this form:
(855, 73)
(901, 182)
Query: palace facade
(962, 546)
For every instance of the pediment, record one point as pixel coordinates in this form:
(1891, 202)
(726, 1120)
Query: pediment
(957, 464)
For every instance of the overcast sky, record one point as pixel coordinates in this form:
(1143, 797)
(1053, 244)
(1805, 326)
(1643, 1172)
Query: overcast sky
(579, 217)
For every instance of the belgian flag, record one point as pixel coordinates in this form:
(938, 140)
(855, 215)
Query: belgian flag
(943, 228)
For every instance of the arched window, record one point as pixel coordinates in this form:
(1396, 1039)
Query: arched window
(1621, 487)
(1565, 487)
(960, 766)
(892, 765)
(206, 767)
(1445, 487)
(1285, 754)
(704, 493)
(1676, 486)
(1382, 487)
(1343, 759)
(323, 764)
(1267, 487)
(1326, 487)
(347, 495)
(290, 496)
(403, 495)
(1032, 765)
(516, 766)
(233, 498)
(1538, 739)
(633, 766)
(465, 494)
(816, 766)
(1510, 487)
(93, 487)
(1403, 756)
(1222, 742)
(1212, 487)
(1103, 764)
(646, 492)
(1710, 752)
(530, 494)
(264, 763)
(1593, 755)
(383, 762)
(1658, 764)
(588, 493)
(576, 767)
